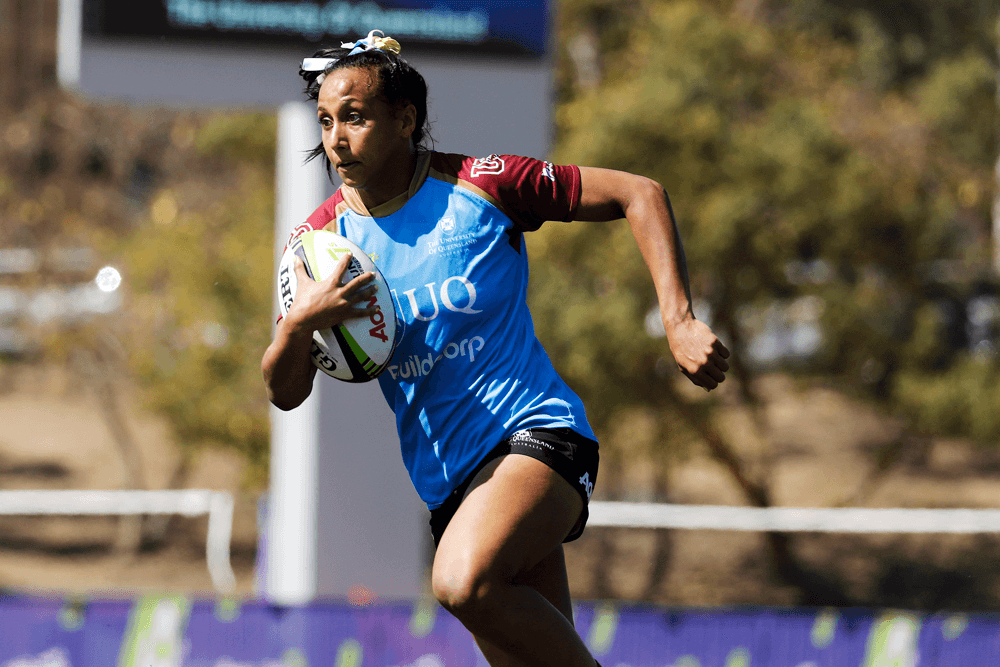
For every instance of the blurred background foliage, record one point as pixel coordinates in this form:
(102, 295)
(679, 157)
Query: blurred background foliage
(181, 203)
(831, 167)
(201, 279)
(830, 163)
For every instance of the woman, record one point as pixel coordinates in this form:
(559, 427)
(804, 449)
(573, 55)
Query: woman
(495, 442)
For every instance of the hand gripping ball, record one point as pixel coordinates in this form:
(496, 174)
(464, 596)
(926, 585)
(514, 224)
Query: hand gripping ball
(359, 349)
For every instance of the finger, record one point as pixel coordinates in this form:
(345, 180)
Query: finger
(714, 373)
(362, 293)
(705, 382)
(300, 268)
(700, 380)
(360, 281)
(367, 311)
(721, 348)
(720, 363)
(341, 267)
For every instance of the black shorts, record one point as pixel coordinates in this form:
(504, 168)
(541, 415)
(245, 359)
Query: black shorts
(564, 450)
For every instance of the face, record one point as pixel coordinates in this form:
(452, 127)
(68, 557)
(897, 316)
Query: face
(366, 139)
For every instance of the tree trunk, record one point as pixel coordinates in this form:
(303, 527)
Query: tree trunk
(663, 547)
(815, 588)
(605, 548)
(100, 375)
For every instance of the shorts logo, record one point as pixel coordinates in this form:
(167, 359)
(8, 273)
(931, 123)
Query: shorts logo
(448, 225)
(548, 171)
(491, 165)
(588, 486)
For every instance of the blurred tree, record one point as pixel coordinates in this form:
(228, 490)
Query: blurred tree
(796, 181)
(898, 42)
(27, 50)
(199, 271)
(182, 203)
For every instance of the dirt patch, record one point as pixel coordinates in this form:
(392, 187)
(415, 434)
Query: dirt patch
(818, 446)
(820, 449)
(55, 437)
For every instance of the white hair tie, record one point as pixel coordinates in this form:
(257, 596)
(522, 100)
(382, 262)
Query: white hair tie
(372, 42)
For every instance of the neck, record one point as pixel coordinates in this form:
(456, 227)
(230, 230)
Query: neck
(392, 184)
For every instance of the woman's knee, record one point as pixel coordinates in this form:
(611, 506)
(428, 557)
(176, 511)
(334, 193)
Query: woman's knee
(463, 590)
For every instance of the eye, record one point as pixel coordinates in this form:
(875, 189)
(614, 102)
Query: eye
(353, 117)
(326, 121)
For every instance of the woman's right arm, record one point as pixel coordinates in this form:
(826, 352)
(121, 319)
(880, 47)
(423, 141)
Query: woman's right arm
(287, 364)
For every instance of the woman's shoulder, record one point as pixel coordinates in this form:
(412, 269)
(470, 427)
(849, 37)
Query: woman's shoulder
(328, 211)
(466, 167)
(527, 189)
(324, 217)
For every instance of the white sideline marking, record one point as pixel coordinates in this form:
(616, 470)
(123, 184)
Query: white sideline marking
(218, 505)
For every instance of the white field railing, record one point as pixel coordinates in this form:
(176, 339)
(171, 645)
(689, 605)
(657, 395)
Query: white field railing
(793, 519)
(218, 505)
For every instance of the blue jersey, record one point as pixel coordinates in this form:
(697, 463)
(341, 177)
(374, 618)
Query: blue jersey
(468, 370)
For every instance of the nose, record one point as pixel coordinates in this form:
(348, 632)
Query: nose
(334, 135)
(340, 133)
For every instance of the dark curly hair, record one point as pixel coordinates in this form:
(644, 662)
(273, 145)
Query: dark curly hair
(399, 84)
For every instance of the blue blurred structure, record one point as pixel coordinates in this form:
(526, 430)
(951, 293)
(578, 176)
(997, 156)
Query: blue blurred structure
(483, 26)
(171, 631)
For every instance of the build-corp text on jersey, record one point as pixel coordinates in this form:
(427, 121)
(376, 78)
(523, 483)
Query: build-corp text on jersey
(417, 365)
(456, 294)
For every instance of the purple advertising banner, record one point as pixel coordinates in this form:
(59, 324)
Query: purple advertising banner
(174, 631)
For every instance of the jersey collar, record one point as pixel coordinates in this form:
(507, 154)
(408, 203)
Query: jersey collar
(353, 200)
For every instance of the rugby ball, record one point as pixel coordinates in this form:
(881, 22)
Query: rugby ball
(359, 349)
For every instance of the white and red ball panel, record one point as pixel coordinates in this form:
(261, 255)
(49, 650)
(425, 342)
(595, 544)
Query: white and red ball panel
(359, 349)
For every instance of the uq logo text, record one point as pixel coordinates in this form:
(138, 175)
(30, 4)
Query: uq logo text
(456, 294)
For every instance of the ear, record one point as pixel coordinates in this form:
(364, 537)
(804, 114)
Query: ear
(407, 119)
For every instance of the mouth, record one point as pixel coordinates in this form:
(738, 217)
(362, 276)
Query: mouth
(347, 165)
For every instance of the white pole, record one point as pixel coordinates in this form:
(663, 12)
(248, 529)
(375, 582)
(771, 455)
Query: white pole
(69, 36)
(217, 544)
(290, 532)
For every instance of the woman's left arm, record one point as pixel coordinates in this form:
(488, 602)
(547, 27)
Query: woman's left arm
(611, 195)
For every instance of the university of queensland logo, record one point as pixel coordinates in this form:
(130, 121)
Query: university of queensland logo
(447, 225)
(484, 166)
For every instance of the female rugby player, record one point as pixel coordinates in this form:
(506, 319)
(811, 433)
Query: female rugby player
(494, 441)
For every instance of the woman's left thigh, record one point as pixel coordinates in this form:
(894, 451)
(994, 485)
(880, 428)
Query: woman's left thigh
(516, 512)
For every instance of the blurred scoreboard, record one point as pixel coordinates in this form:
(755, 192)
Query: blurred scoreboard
(486, 26)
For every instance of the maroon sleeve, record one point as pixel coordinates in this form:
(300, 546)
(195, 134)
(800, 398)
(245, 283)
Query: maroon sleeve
(529, 191)
(318, 219)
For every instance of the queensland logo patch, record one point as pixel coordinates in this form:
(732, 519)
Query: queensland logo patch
(486, 166)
